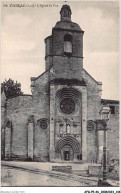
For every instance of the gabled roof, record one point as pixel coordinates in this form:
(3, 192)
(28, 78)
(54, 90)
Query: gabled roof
(35, 78)
(99, 83)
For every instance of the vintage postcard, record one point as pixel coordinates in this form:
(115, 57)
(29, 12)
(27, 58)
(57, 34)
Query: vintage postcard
(60, 96)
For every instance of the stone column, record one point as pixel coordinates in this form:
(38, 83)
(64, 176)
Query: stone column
(84, 123)
(3, 119)
(72, 130)
(8, 142)
(57, 128)
(3, 143)
(52, 123)
(30, 137)
(100, 136)
(52, 147)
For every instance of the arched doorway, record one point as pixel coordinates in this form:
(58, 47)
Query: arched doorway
(67, 149)
(67, 153)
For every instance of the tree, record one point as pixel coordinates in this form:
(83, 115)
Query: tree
(11, 88)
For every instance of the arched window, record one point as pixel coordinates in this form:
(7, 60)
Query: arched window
(61, 128)
(67, 44)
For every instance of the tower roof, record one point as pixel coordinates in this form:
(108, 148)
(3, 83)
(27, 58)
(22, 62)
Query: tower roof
(65, 22)
(65, 13)
(65, 6)
(68, 26)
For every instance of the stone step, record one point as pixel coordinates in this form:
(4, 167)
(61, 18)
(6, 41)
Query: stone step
(80, 167)
(81, 172)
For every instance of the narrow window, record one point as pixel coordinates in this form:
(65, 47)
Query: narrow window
(61, 128)
(80, 157)
(112, 109)
(68, 44)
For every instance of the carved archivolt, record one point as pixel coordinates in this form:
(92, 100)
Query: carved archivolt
(68, 140)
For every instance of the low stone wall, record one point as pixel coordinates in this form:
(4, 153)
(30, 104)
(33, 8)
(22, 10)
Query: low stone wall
(95, 170)
(66, 169)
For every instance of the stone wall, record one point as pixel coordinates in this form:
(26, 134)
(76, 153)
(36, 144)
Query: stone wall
(93, 108)
(65, 67)
(41, 111)
(93, 97)
(19, 110)
(113, 138)
(91, 145)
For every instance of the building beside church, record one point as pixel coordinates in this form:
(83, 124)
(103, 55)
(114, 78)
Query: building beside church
(58, 122)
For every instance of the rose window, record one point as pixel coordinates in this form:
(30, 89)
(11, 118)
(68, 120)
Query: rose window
(67, 105)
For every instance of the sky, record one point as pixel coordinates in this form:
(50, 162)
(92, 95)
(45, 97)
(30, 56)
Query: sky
(25, 28)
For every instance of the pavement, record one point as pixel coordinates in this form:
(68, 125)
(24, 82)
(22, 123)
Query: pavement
(45, 168)
(25, 178)
(48, 165)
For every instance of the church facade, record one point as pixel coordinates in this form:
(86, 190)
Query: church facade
(58, 122)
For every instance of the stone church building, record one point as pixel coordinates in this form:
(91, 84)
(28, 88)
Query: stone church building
(57, 123)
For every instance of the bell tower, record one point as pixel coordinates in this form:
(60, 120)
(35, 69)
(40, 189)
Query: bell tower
(68, 91)
(64, 48)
